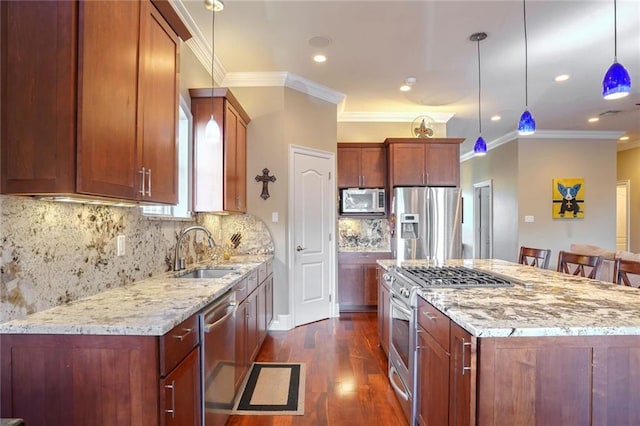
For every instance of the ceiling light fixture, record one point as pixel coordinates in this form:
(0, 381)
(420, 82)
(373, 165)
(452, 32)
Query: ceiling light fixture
(480, 147)
(320, 58)
(496, 118)
(624, 138)
(408, 83)
(593, 120)
(212, 130)
(616, 83)
(562, 77)
(526, 125)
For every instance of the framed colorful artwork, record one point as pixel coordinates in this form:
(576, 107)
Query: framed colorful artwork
(568, 198)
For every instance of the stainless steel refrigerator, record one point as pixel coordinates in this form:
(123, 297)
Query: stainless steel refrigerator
(427, 223)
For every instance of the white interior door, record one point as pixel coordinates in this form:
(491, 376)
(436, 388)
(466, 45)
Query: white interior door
(483, 217)
(311, 246)
(622, 216)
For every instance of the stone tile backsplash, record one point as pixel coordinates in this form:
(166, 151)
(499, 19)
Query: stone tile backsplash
(53, 253)
(365, 234)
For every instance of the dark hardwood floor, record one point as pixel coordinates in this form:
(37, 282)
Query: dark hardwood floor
(346, 377)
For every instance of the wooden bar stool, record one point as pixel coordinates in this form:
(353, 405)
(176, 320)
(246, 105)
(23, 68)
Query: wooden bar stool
(574, 264)
(622, 268)
(534, 257)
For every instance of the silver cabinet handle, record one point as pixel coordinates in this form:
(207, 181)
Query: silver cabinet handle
(464, 345)
(428, 315)
(181, 337)
(142, 172)
(362, 180)
(207, 327)
(172, 411)
(300, 248)
(149, 190)
(403, 393)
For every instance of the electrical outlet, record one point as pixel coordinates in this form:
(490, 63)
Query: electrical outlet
(121, 248)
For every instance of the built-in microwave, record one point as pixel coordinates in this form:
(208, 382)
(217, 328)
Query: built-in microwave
(362, 201)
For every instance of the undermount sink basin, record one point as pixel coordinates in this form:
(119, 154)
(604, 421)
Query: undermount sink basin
(213, 272)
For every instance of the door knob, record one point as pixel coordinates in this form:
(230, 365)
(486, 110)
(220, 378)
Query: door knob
(300, 248)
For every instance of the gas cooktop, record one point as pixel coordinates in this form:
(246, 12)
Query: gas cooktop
(452, 277)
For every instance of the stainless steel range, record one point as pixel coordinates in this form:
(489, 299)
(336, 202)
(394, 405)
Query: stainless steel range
(405, 283)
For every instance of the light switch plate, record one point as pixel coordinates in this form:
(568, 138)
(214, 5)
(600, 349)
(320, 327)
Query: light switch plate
(274, 217)
(529, 219)
(121, 245)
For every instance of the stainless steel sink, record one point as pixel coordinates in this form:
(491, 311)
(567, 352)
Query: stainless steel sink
(212, 272)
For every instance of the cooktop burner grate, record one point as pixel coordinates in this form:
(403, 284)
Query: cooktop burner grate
(453, 277)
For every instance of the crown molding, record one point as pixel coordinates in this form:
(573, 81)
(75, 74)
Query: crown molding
(392, 117)
(548, 134)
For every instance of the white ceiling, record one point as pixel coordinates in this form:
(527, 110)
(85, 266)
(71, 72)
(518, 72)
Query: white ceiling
(376, 44)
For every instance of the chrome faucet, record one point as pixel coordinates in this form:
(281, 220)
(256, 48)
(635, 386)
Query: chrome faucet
(178, 262)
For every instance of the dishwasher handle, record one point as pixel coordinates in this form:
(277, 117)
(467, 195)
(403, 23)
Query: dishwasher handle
(232, 306)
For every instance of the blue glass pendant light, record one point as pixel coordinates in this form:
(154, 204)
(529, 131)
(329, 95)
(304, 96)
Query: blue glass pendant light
(616, 83)
(480, 147)
(526, 125)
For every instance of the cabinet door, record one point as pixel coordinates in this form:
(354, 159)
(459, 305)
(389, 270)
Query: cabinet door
(442, 164)
(108, 98)
(230, 159)
(242, 364)
(241, 165)
(370, 285)
(253, 342)
(351, 285)
(374, 167)
(462, 377)
(349, 175)
(39, 128)
(180, 393)
(407, 164)
(383, 312)
(432, 386)
(159, 108)
(269, 301)
(262, 312)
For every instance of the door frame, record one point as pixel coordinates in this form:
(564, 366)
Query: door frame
(626, 183)
(477, 215)
(296, 149)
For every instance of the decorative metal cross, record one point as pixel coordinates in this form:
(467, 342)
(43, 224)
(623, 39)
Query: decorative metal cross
(265, 179)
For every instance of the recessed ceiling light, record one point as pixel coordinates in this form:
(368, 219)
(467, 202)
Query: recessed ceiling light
(561, 77)
(624, 138)
(405, 88)
(496, 118)
(593, 119)
(215, 5)
(320, 58)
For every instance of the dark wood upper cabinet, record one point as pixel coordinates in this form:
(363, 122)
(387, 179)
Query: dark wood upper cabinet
(424, 162)
(362, 165)
(94, 111)
(220, 168)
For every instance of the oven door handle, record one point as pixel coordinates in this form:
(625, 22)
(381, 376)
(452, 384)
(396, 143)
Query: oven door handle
(402, 393)
(401, 307)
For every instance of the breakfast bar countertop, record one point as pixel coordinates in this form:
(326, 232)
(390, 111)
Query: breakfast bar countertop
(150, 307)
(542, 302)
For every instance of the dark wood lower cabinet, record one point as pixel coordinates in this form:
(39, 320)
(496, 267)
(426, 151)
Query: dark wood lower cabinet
(178, 405)
(554, 380)
(358, 280)
(383, 311)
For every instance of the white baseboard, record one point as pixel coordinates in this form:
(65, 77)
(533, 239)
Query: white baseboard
(281, 323)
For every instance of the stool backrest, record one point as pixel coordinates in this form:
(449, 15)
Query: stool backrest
(623, 268)
(574, 264)
(534, 257)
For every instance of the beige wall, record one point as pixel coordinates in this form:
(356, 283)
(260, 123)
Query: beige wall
(629, 169)
(378, 132)
(541, 160)
(281, 117)
(500, 167)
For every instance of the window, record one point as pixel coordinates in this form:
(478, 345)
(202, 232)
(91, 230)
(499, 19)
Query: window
(180, 210)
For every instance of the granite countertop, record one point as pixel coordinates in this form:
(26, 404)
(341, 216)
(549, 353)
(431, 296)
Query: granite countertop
(363, 250)
(150, 307)
(543, 303)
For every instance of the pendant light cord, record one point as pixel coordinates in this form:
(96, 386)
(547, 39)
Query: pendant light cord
(213, 18)
(479, 91)
(615, 32)
(526, 55)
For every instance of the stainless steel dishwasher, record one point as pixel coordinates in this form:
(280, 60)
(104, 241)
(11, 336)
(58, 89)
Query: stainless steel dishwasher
(217, 345)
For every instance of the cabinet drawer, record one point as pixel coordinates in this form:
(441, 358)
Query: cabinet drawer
(242, 289)
(434, 322)
(252, 281)
(177, 343)
(262, 272)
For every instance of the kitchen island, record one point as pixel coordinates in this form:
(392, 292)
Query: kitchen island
(554, 349)
(130, 355)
